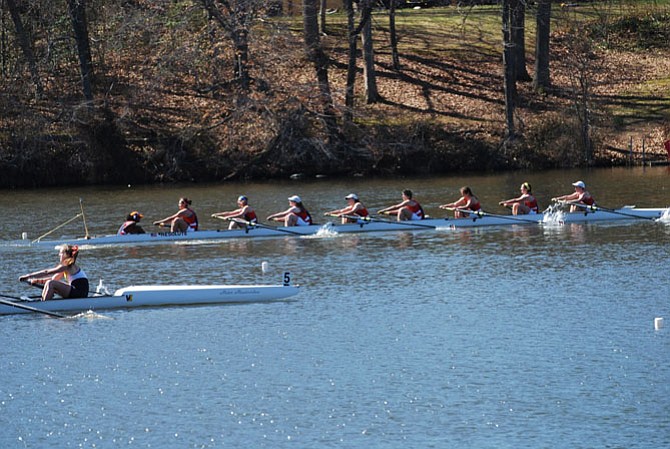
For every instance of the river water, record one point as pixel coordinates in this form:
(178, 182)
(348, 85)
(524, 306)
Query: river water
(508, 337)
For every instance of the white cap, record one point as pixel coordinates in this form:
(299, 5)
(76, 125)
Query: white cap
(295, 199)
(351, 196)
(579, 184)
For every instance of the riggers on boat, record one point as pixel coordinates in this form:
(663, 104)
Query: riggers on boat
(157, 295)
(476, 219)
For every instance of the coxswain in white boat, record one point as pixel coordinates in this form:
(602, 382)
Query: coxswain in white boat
(295, 215)
(131, 225)
(244, 212)
(407, 209)
(184, 220)
(580, 196)
(467, 201)
(353, 210)
(524, 204)
(68, 280)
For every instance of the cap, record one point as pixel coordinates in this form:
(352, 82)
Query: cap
(351, 196)
(295, 199)
(135, 215)
(242, 198)
(579, 184)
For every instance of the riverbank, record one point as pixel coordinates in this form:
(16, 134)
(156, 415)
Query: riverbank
(162, 113)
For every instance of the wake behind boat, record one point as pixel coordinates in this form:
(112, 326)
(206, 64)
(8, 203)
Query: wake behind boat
(476, 219)
(156, 295)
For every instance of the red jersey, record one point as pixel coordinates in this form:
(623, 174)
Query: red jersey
(532, 204)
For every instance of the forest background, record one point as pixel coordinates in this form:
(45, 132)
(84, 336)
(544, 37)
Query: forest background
(119, 91)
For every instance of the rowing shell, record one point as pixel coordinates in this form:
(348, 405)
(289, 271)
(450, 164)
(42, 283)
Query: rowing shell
(625, 213)
(161, 295)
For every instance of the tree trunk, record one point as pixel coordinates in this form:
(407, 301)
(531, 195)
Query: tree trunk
(77, 10)
(316, 55)
(369, 74)
(542, 79)
(509, 68)
(519, 38)
(241, 41)
(351, 66)
(26, 47)
(394, 36)
(322, 15)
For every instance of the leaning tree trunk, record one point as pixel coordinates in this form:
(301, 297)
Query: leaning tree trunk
(77, 10)
(26, 47)
(316, 55)
(519, 38)
(509, 68)
(542, 79)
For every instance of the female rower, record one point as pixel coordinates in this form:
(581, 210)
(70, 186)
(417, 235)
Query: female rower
(67, 279)
(580, 196)
(408, 209)
(295, 215)
(467, 202)
(131, 226)
(524, 204)
(352, 212)
(244, 212)
(184, 220)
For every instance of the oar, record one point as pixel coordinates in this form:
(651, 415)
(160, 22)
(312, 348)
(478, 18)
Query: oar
(56, 228)
(480, 213)
(32, 309)
(83, 217)
(258, 225)
(412, 223)
(605, 209)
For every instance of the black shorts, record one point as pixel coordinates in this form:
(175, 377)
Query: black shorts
(79, 288)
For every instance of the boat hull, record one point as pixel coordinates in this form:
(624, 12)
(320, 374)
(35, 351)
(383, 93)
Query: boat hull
(627, 213)
(162, 295)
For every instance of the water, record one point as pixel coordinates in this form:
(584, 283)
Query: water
(510, 337)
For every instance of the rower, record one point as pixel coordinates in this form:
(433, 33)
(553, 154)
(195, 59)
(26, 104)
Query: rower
(579, 196)
(524, 204)
(67, 279)
(184, 220)
(407, 209)
(352, 212)
(131, 226)
(468, 202)
(295, 215)
(244, 212)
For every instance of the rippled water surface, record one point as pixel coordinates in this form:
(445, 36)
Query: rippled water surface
(508, 337)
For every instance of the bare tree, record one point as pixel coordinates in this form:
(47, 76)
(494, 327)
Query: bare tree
(369, 73)
(394, 35)
(509, 67)
(519, 39)
(77, 11)
(541, 80)
(26, 46)
(317, 56)
(235, 18)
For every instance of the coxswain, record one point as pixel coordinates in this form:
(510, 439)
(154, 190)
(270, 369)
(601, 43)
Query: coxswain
(579, 196)
(354, 211)
(467, 202)
(407, 209)
(184, 220)
(295, 215)
(66, 279)
(524, 204)
(131, 226)
(244, 213)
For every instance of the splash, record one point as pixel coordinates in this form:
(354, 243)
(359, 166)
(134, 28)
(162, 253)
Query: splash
(665, 217)
(554, 215)
(90, 315)
(326, 231)
(102, 290)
